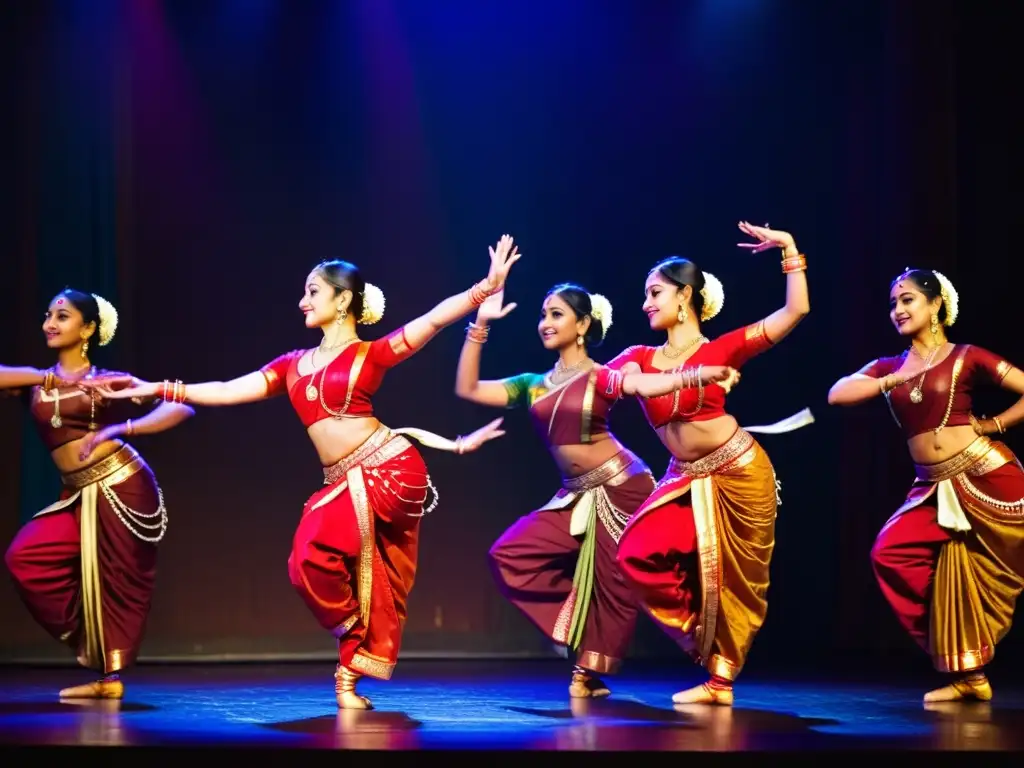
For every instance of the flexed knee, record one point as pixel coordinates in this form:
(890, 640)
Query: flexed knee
(13, 559)
(880, 555)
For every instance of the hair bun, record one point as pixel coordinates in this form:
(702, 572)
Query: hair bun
(601, 310)
(108, 320)
(950, 298)
(714, 296)
(373, 305)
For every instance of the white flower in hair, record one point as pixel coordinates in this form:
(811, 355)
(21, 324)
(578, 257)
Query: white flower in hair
(108, 320)
(601, 310)
(373, 305)
(949, 297)
(714, 296)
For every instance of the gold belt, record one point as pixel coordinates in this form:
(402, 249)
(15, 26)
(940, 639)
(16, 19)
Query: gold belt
(115, 468)
(737, 451)
(379, 448)
(617, 470)
(978, 458)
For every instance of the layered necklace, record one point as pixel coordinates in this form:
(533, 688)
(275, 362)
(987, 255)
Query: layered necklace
(672, 353)
(313, 390)
(56, 421)
(562, 372)
(916, 394)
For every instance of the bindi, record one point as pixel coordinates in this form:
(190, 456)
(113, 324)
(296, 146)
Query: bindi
(60, 302)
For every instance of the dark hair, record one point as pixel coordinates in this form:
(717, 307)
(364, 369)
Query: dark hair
(86, 304)
(682, 272)
(344, 276)
(927, 283)
(578, 299)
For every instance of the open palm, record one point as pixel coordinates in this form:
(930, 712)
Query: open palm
(492, 308)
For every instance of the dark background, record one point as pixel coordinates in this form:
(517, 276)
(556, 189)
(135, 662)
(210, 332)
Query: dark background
(191, 160)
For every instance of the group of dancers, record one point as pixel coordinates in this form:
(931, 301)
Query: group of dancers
(693, 549)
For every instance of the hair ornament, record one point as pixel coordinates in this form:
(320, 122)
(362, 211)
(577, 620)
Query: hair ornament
(949, 297)
(601, 310)
(373, 305)
(108, 320)
(714, 296)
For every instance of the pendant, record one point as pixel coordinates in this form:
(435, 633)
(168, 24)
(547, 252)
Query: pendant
(311, 393)
(56, 422)
(916, 396)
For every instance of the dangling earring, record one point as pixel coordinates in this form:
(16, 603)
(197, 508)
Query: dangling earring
(85, 348)
(681, 315)
(935, 325)
(579, 341)
(342, 314)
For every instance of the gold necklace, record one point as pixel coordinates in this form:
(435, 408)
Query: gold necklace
(312, 391)
(676, 353)
(56, 421)
(559, 373)
(916, 395)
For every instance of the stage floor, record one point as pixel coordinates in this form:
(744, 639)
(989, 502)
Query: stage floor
(512, 705)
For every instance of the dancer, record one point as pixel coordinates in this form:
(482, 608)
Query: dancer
(354, 554)
(557, 564)
(698, 550)
(85, 566)
(950, 561)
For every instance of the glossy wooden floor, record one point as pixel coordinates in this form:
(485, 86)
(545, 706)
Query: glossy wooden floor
(494, 706)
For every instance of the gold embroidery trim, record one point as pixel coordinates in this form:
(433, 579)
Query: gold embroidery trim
(721, 667)
(560, 632)
(1003, 368)
(354, 371)
(379, 448)
(598, 662)
(587, 414)
(373, 666)
(399, 345)
(964, 661)
(978, 458)
(115, 468)
(617, 470)
(92, 588)
(270, 377)
(342, 629)
(558, 402)
(756, 333)
(707, 546)
(364, 521)
(738, 451)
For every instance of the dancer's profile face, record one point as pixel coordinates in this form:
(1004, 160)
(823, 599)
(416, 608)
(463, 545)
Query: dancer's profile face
(63, 324)
(909, 309)
(320, 302)
(558, 326)
(662, 300)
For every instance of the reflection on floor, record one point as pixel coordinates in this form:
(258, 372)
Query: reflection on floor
(515, 705)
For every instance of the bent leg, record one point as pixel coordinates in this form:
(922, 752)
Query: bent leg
(904, 557)
(127, 570)
(44, 563)
(533, 563)
(323, 561)
(658, 556)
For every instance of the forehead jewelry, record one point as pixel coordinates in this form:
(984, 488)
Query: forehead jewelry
(59, 302)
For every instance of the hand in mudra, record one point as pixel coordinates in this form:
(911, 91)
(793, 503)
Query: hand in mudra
(492, 308)
(724, 376)
(766, 238)
(488, 432)
(119, 387)
(503, 256)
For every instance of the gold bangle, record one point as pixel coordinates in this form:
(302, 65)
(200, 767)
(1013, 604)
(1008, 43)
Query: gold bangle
(999, 424)
(130, 430)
